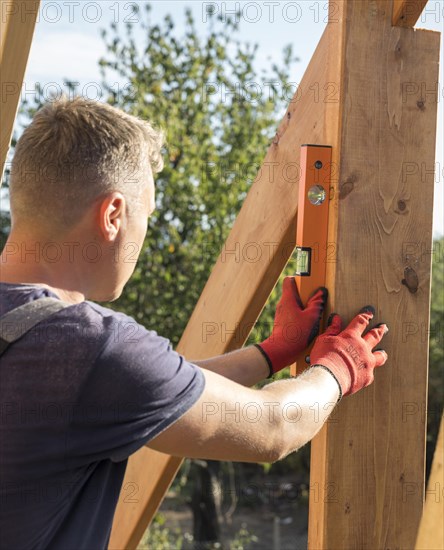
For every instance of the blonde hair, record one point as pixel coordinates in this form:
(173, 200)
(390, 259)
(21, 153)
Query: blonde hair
(76, 150)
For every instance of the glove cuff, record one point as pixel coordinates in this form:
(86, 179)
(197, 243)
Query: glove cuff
(269, 363)
(334, 376)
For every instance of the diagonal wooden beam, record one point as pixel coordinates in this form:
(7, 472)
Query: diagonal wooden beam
(238, 288)
(431, 529)
(17, 23)
(368, 462)
(407, 12)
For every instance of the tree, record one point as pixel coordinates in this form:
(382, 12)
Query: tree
(436, 350)
(219, 116)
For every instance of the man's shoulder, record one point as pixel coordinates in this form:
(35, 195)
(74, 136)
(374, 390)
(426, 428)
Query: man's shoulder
(105, 314)
(90, 321)
(116, 326)
(85, 324)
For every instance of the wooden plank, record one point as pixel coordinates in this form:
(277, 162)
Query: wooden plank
(367, 470)
(431, 529)
(147, 479)
(407, 12)
(17, 23)
(257, 249)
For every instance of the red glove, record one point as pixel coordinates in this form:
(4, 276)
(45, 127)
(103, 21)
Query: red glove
(294, 328)
(348, 354)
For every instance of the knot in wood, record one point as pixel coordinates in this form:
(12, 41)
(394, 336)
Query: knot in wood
(410, 280)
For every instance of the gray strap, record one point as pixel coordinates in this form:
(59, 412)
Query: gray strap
(17, 322)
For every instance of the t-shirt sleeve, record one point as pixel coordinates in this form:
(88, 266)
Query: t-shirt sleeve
(138, 386)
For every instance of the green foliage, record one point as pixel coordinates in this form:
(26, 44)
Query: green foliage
(436, 349)
(5, 217)
(437, 308)
(244, 539)
(199, 90)
(5, 227)
(160, 537)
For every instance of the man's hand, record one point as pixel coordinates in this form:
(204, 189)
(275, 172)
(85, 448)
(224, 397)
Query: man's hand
(295, 326)
(348, 354)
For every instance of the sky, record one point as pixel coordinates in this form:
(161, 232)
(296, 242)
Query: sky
(67, 45)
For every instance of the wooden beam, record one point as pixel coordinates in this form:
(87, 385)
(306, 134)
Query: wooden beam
(17, 23)
(407, 12)
(239, 287)
(368, 462)
(431, 529)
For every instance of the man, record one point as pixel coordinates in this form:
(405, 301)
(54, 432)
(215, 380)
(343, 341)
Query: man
(87, 386)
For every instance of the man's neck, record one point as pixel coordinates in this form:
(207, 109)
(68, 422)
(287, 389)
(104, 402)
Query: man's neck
(34, 273)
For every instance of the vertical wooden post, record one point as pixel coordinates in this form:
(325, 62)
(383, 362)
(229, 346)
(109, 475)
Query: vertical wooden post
(17, 23)
(368, 462)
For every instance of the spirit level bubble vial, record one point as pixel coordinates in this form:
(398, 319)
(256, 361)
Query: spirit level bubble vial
(312, 224)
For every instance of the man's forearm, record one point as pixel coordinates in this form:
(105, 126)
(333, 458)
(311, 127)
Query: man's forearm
(231, 422)
(302, 404)
(246, 366)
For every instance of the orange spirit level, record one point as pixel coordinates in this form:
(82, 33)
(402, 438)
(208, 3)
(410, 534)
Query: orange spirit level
(312, 225)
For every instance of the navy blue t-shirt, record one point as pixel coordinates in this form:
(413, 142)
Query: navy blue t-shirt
(79, 393)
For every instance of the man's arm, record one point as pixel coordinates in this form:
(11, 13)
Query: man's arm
(246, 366)
(232, 422)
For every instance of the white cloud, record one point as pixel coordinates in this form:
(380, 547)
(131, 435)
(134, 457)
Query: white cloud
(58, 55)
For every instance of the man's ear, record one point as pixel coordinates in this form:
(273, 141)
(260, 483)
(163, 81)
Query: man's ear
(111, 213)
